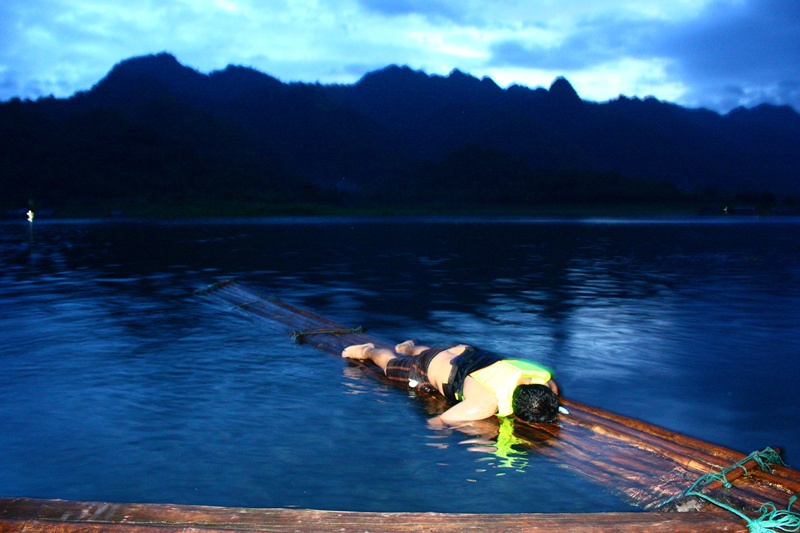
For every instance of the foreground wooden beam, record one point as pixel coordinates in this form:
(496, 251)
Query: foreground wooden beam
(644, 463)
(57, 516)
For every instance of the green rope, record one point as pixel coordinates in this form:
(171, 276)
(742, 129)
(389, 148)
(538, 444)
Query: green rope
(771, 518)
(297, 336)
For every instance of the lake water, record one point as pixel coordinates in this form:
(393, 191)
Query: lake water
(117, 384)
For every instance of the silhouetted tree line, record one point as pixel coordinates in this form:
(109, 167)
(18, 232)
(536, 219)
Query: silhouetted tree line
(101, 154)
(475, 176)
(154, 130)
(170, 153)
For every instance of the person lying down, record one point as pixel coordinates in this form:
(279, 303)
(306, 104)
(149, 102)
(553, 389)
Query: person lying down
(481, 384)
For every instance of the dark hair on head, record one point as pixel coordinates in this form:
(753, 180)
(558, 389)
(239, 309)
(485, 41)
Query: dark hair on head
(535, 403)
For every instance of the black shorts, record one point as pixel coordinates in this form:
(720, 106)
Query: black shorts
(408, 369)
(465, 364)
(414, 368)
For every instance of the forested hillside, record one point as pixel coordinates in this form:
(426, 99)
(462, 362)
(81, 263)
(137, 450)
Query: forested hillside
(154, 130)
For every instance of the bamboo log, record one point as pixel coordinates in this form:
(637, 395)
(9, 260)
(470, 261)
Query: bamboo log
(55, 516)
(649, 472)
(782, 476)
(696, 460)
(771, 488)
(642, 461)
(644, 481)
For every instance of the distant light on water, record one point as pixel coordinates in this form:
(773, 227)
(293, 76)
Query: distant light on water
(30, 215)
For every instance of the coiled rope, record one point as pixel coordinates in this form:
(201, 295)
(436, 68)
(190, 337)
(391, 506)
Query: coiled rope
(771, 518)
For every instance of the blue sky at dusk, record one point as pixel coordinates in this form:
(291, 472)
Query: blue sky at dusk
(717, 54)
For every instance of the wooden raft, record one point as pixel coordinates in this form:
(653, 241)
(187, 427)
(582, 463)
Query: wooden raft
(24, 515)
(644, 463)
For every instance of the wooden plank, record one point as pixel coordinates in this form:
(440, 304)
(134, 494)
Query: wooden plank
(645, 463)
(57, 516)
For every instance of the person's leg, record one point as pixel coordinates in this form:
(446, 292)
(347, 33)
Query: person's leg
(409, 348)
(379, 356)
(409, 369)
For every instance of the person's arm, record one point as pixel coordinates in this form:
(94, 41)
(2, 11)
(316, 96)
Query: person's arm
(464, 411)
(552, 385)
(479, 403)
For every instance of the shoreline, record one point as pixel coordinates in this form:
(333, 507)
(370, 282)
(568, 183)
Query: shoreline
(235, 209)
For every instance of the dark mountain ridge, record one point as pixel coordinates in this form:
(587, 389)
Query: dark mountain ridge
(239, 130)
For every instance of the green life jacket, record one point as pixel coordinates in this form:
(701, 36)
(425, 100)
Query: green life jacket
(502, 377)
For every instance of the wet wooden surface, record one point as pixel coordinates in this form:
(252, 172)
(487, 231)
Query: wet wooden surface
(57, 516)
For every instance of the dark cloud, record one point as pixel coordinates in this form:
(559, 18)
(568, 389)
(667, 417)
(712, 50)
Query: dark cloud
(739, 53)
(8, 83)
(727, 53)
(737, 42)
(733, 53)
(428, 8)
(593, 42)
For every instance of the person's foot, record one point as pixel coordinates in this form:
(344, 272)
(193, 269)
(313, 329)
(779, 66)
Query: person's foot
(405, 348)
(358, 351)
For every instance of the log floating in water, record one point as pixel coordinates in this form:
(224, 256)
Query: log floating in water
(645, 463)
(57, 516)
(711, 454)
(693, 459)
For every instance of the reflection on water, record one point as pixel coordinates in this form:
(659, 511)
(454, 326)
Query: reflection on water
(117, 384)
(507, 448)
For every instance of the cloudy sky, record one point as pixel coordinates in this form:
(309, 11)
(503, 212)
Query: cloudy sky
(710, 53)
